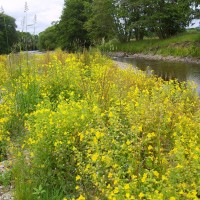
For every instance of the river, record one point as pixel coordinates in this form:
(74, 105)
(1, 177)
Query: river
(167, 70)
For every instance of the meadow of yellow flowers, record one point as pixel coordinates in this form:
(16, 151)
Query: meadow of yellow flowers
(79, 127)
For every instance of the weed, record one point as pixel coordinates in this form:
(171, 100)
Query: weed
(5, 178)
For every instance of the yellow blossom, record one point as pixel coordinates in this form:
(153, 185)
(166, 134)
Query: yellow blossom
(31, 154)
(108, 186)
(94, 157)
(81, 197)
(179, 166)
(141, 195)
(144, 177)
(150, 147)
(164, 177)
(127, 187)
(116, 181)
(110, 114)
(110, 175)
(136, 104)
(128, 195)
(77, 187)
(140, 128)
(82, 117)
(116, 190)
(78, 177)
(156, 174)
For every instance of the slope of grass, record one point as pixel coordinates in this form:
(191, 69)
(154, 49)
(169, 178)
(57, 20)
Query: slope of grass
(185, 44)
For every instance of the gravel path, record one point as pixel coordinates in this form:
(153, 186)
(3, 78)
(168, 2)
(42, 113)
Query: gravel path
(7, 196)
(5, 193)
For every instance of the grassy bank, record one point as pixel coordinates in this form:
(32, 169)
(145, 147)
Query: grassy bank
(77, 126)
(185, 44)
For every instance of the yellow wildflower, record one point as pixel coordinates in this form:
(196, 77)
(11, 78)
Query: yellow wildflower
(77, 187)
(82, 117)
(179, 166)
(110, 114)
(116, 190)
(150, 147)
(78, 177)
(144, 177)
(140, 128)
(81, 197)
(94, 157)
(128, 195)
(110, 175)
(141, 195)
(126, 187)
(31, 154)
(156, 174)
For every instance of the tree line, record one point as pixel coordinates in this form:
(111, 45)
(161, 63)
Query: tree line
(88, 22)
(85, 23)
(12, 40)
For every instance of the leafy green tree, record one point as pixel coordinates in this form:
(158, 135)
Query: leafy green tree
(73, 35)
(49, 39)
(196, 9)
(167, 18)
(139, 18)
(163, 17)
(123, 20)
(100, 24)
(8, 33)
(131, 17)
(26, 41)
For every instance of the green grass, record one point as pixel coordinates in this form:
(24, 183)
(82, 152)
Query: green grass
(184, 44)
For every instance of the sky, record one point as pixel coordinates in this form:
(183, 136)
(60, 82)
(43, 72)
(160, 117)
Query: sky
(46, 11)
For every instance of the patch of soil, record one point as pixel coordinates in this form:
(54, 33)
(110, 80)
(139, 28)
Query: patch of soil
(5, 192)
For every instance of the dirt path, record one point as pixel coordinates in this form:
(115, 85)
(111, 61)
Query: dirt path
(5, 193)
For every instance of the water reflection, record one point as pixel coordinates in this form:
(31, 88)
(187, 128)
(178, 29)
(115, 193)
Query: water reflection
(168, 70)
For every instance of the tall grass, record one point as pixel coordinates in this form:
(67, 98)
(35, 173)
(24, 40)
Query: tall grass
(86, 129)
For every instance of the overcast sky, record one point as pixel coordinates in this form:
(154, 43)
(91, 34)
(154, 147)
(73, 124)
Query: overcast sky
(46, 11)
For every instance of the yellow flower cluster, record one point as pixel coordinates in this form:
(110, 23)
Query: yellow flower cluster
(95, 131)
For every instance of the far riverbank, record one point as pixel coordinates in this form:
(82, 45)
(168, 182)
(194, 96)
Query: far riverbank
(155, 57)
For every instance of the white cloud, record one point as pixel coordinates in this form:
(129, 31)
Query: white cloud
(46, 11)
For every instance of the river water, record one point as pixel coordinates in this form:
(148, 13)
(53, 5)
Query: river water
(167, 70)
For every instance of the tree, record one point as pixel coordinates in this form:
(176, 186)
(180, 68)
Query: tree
(195, 9)
(122, 20)
(100, 24)
(26, 41)
(71, 26)
(49, 39)
(163, 17)
(8, 33)
(131, 16)
(168, 17)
